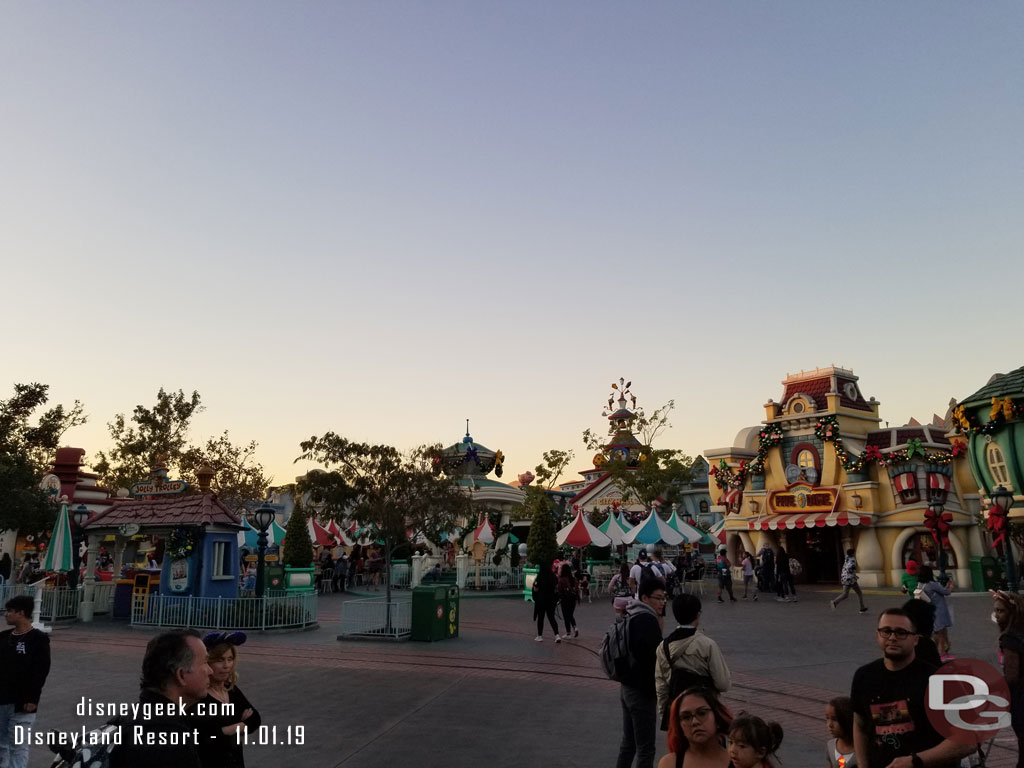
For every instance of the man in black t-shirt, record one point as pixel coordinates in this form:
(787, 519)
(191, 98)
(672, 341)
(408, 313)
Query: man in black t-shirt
(891, 727)
(24, 665)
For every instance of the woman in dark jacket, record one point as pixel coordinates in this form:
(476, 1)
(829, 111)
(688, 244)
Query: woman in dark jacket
(544, 599)
(219, 744)
(568, 596)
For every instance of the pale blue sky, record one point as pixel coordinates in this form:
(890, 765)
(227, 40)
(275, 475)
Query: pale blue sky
(384, 218)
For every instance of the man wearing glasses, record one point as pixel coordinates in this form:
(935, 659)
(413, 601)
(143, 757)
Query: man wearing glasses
(645, 623)
(891, 727)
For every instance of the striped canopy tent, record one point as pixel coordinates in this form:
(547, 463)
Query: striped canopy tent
(318, 534)
(654, 530)
(717, 533)
(614, 528)
(248, 537)
(811, 520)
(339, 535)
(581, 532)
(59, 554)
(691, 534)
(484, 532)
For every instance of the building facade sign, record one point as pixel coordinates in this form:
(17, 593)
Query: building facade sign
(801, 497)
(164, 488)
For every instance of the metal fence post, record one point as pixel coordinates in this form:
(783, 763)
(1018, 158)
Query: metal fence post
(220, 606)
(263, 612)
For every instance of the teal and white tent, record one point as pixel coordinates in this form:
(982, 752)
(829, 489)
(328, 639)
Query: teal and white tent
(692, 534)
(615, 528)
(60, 551)
(654, 530)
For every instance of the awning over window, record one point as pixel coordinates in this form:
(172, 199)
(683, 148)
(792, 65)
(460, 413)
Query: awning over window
(904, 482)
(813, 520)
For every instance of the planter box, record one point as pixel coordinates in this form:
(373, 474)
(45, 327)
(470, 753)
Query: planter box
(299, 579)
(856, 477)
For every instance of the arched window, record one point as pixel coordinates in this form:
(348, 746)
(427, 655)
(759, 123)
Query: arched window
(997, 466)
(805, 458)
(703, 506)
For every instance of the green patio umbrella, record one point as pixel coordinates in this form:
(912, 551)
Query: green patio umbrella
(60, 550)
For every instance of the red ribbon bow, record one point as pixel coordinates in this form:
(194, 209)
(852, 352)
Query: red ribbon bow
(997, 524)
(938, 525)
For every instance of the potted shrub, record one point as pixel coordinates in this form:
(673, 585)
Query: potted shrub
(297, 554)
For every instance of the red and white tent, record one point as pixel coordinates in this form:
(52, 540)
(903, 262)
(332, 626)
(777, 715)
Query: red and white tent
(318, 534)
(581, 532)
(339, 535)
(811, 520)
(484, 532)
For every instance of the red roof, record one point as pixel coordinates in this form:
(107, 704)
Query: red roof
(815, 388)
(893, 437)
(190, 509)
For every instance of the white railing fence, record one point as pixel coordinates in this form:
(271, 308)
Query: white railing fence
(376, 617)
(494, 577)
(252, 613)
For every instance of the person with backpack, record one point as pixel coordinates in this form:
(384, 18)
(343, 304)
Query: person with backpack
(723, 568)
(848, 578)
(643, 625)
(687, 658)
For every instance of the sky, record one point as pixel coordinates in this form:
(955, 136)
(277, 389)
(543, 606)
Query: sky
(382, 219)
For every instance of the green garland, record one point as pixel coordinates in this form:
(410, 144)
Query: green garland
(181, 543)
(827, 430)
(1002, 411)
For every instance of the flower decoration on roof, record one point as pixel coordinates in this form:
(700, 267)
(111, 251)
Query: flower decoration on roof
(181, 543)
(499, 460)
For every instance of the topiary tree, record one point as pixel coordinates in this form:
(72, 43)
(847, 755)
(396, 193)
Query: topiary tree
(298, 548)
(541, 546)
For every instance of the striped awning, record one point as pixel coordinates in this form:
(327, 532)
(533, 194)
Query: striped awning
(938, 482)
(812, 520)
(904, 482)
(731, 496)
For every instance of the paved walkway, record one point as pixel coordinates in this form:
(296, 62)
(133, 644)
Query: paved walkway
(494, 697)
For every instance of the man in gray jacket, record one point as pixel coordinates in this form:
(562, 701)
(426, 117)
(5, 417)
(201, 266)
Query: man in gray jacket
(688, 648)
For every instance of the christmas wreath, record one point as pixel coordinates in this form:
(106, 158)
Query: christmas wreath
(181, 543)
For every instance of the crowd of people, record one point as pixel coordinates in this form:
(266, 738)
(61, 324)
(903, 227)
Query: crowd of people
(199, 670)
(677, 680)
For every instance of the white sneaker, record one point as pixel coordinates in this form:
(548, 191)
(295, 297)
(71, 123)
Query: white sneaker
(539, 638)
(558, 638)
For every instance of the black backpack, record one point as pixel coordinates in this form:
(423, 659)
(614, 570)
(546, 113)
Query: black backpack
(616, 658)
(649, 572)
(680, 679)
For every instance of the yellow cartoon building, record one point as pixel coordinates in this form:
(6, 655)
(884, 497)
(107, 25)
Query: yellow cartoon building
(822, 473)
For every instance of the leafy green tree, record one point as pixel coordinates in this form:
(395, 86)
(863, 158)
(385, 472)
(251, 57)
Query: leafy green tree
(239, 478)
(158, 431)
(396, 496)
(298, 548)
(27, 450)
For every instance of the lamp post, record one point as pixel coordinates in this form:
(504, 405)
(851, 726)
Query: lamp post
(264, 518)
(79, 516)
(1003, 499)
(937, 507)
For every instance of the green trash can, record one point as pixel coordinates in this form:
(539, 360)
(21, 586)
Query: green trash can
(451, 624)
(977, 575)
(429, 609)
(992, 573)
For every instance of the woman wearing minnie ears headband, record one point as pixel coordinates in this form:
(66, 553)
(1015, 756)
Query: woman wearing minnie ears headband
(219, 746)
(1008, 614)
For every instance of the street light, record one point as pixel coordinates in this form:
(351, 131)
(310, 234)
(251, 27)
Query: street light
(937, 508)
(1003, 499)
(264, 518)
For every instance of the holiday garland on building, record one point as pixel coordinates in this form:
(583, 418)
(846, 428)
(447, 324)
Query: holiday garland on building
(827, 430)
(1002, 411)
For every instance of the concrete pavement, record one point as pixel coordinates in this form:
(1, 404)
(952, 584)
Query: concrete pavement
(494, 697)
